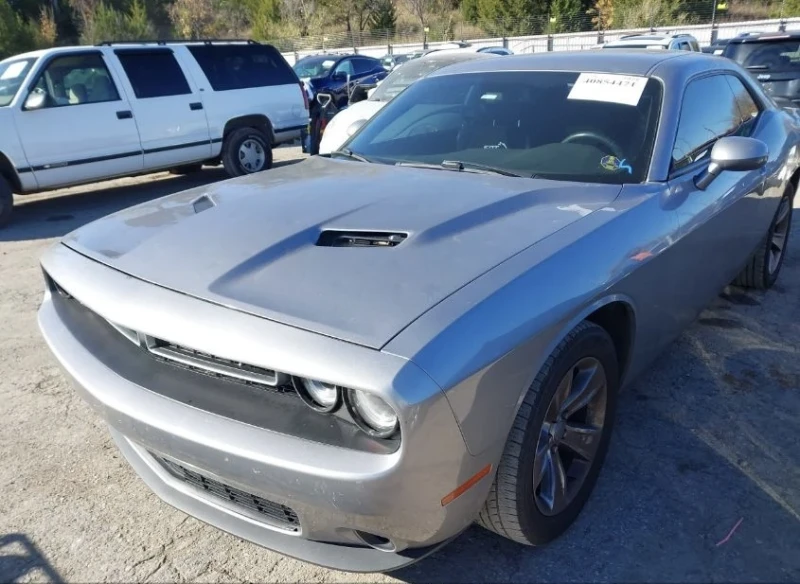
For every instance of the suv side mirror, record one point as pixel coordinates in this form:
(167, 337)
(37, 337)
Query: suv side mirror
(35, 100)
(733, 153)
(339, 76)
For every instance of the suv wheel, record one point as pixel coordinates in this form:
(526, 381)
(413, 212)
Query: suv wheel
(246, 150)
(6, 202)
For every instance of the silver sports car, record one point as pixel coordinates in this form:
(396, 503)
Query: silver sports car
(352, 359)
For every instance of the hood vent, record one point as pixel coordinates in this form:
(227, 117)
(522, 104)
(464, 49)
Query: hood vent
(332, 238)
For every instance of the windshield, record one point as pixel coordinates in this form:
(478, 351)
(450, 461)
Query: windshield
(777, 55)
(536, 123)
(404, 76)
(12, 74)
(311, 67)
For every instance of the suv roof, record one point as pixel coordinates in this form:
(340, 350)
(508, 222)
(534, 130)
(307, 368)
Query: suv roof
(652, 38)
(764, 37)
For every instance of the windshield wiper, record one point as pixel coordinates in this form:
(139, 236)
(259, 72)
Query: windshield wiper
(347, 153)
(757, 67)
(460, 166)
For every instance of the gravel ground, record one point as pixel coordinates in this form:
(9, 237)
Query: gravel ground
(706, 441)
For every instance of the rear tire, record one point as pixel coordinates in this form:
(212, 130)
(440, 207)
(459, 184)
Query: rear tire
(763, 268)
(186, 169)
(525, 503)
(6, 202)
(245, 151)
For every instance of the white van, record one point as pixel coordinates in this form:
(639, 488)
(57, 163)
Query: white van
(76, 115)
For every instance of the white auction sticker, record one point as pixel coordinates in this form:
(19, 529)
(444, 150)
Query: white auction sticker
(625, 89)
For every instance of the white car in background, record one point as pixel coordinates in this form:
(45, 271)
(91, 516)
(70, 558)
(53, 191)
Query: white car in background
(345, 123)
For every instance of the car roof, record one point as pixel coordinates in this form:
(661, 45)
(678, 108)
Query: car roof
(630, 62)
(765, 37)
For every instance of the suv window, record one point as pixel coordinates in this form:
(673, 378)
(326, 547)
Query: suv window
(345, 67)
(710, 110)
(153, 73)
(767, 55)
(230, 67)
(76, 80)
(363, 66)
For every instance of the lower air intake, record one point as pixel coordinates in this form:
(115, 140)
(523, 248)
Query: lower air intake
(278, 515)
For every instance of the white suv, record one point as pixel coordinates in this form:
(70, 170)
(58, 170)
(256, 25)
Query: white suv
(679, 42)
(76, 115)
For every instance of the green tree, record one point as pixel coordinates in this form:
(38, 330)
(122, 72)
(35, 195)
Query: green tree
(17, 34)
(470, 11)
(566, 16)
(137, 23)
(513, 17)
(383, 17)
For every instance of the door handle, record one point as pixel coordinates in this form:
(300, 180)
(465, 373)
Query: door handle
(124, 115)
(196, 106)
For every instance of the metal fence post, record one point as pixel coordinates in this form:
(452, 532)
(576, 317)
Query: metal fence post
(549, 43)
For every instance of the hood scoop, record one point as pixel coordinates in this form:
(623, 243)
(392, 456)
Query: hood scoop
(337, 238)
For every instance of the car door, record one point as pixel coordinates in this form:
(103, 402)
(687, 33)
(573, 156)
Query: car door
(719, 225)
(167, 107)
(82, 129)
(339, 76)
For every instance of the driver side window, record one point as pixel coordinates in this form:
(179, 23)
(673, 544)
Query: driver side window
(344, 68)
(709, 112)
(76, 80)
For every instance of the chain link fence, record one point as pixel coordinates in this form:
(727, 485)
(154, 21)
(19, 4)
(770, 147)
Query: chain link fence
(554, 32)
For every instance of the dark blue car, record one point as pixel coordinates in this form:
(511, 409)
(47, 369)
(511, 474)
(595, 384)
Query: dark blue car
(329, 73)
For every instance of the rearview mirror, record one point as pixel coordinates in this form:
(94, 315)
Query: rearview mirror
(733, 153)
(35, 100)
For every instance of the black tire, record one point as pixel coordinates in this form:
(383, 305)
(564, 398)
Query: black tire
(231, 159)
(6, 202)
(512, 509)
(761, 273)
(186, 169)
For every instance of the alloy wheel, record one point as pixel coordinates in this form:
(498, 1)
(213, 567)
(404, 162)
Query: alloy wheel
(570, 436)
(779, 234)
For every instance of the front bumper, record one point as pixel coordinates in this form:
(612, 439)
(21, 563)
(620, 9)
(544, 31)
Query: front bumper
(335, 492)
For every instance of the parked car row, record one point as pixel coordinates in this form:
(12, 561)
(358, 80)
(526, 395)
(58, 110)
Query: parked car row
(75, 115)
(352, 359)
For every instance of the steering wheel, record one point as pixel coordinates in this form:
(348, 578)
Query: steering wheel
(592, 137)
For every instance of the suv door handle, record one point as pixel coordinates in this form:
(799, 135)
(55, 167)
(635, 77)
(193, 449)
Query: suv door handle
(124, 115)
(196, 106)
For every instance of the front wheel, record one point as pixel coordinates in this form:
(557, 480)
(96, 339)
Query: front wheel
(6, 202)
(558, 442)
(762, 269)
(245, 151)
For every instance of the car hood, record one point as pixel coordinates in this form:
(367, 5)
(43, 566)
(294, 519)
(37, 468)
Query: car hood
(335, 133)
(254, 243)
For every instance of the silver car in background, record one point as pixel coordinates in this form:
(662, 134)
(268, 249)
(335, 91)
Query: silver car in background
(352, 359)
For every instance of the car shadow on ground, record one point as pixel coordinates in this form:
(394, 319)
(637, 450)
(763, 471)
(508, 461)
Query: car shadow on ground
(20, 559)
(702, 481)
(48, 216)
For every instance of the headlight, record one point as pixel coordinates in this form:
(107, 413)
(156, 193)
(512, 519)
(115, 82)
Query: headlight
(371, 413)
(321, 396)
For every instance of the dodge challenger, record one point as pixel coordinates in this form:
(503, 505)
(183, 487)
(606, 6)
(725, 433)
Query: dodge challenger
(352, 359)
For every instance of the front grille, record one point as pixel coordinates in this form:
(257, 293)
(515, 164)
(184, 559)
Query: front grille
(280, 515)
(210, 364)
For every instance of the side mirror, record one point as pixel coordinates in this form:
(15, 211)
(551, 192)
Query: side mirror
(339, 76)
(35, 100)
(733, 153)
(355, 127)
